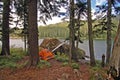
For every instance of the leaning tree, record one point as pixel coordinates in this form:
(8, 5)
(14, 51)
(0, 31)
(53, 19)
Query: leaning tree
(115, 57)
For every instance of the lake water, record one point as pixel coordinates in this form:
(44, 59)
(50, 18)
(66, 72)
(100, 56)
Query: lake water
(99, 46)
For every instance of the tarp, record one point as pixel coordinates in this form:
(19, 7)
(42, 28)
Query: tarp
(58, 46)
(45, 54)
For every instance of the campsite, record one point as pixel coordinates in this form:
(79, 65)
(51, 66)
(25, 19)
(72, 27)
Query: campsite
(56, 67)
(80, 39)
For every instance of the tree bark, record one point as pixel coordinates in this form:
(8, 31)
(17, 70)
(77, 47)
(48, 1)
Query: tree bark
(5, 28)
(78, 31)
(115, 58)
(33, 32)
(78, 38)
(90, 35)
(72, 32)
(108, 32)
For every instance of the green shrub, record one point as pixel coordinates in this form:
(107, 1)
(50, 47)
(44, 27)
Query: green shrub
(98, 66)
(15, 58)
(97, 75)
(61, 57)
(98, 63)
(43, 63)
(65, 64)
(75, 65)
(95, 68)
(17, 52)
(11, 61)
(22, 65)
(6, 62)
(11, 65)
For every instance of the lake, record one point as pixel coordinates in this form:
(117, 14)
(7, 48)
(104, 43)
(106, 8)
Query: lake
(99, 46)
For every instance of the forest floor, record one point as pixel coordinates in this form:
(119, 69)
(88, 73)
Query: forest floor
(55, 72)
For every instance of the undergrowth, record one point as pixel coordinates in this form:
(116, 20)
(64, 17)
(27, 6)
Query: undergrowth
(61, 57)
(43, 63)
(11, 61)
(97, 72)
(65, 60)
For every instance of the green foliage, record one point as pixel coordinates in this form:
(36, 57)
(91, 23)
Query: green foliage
(98, 66)
(11, 61)
(75, 65)
(100, 28)
(43, 63)
(61, 30)
(97, 72)
(98, 63)
(61, 57)
(95, 68)
(65, 59)
(80, 53)
(53, 32)
(7, 62)
(62, 24)
(65, 64)
(17, 52)
(22, 65)
(16, 32)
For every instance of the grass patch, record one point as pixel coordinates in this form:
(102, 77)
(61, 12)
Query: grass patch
(17, 52)
(62, 57)
(65, 64)
(75, 65)
(43, 63)
(97, 72)
(98, 66)
(65, 59)
(100, 74)
(7, 62)
(11, 61)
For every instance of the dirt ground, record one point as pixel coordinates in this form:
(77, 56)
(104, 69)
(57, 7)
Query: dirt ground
(56, 72)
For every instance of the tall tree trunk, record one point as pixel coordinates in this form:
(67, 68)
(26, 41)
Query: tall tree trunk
(115, 58)
(72, 31)
(25, 16)
(108, 32)
(78, 31)
(33, 32)
(78, 38)
(90, 35)
(5, 28)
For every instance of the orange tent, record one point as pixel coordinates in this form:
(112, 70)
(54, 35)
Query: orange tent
(45, 54)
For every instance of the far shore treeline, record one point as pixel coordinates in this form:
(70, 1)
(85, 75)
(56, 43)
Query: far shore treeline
(61, 31)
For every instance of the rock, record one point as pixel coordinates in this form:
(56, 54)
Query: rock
(51, 43)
